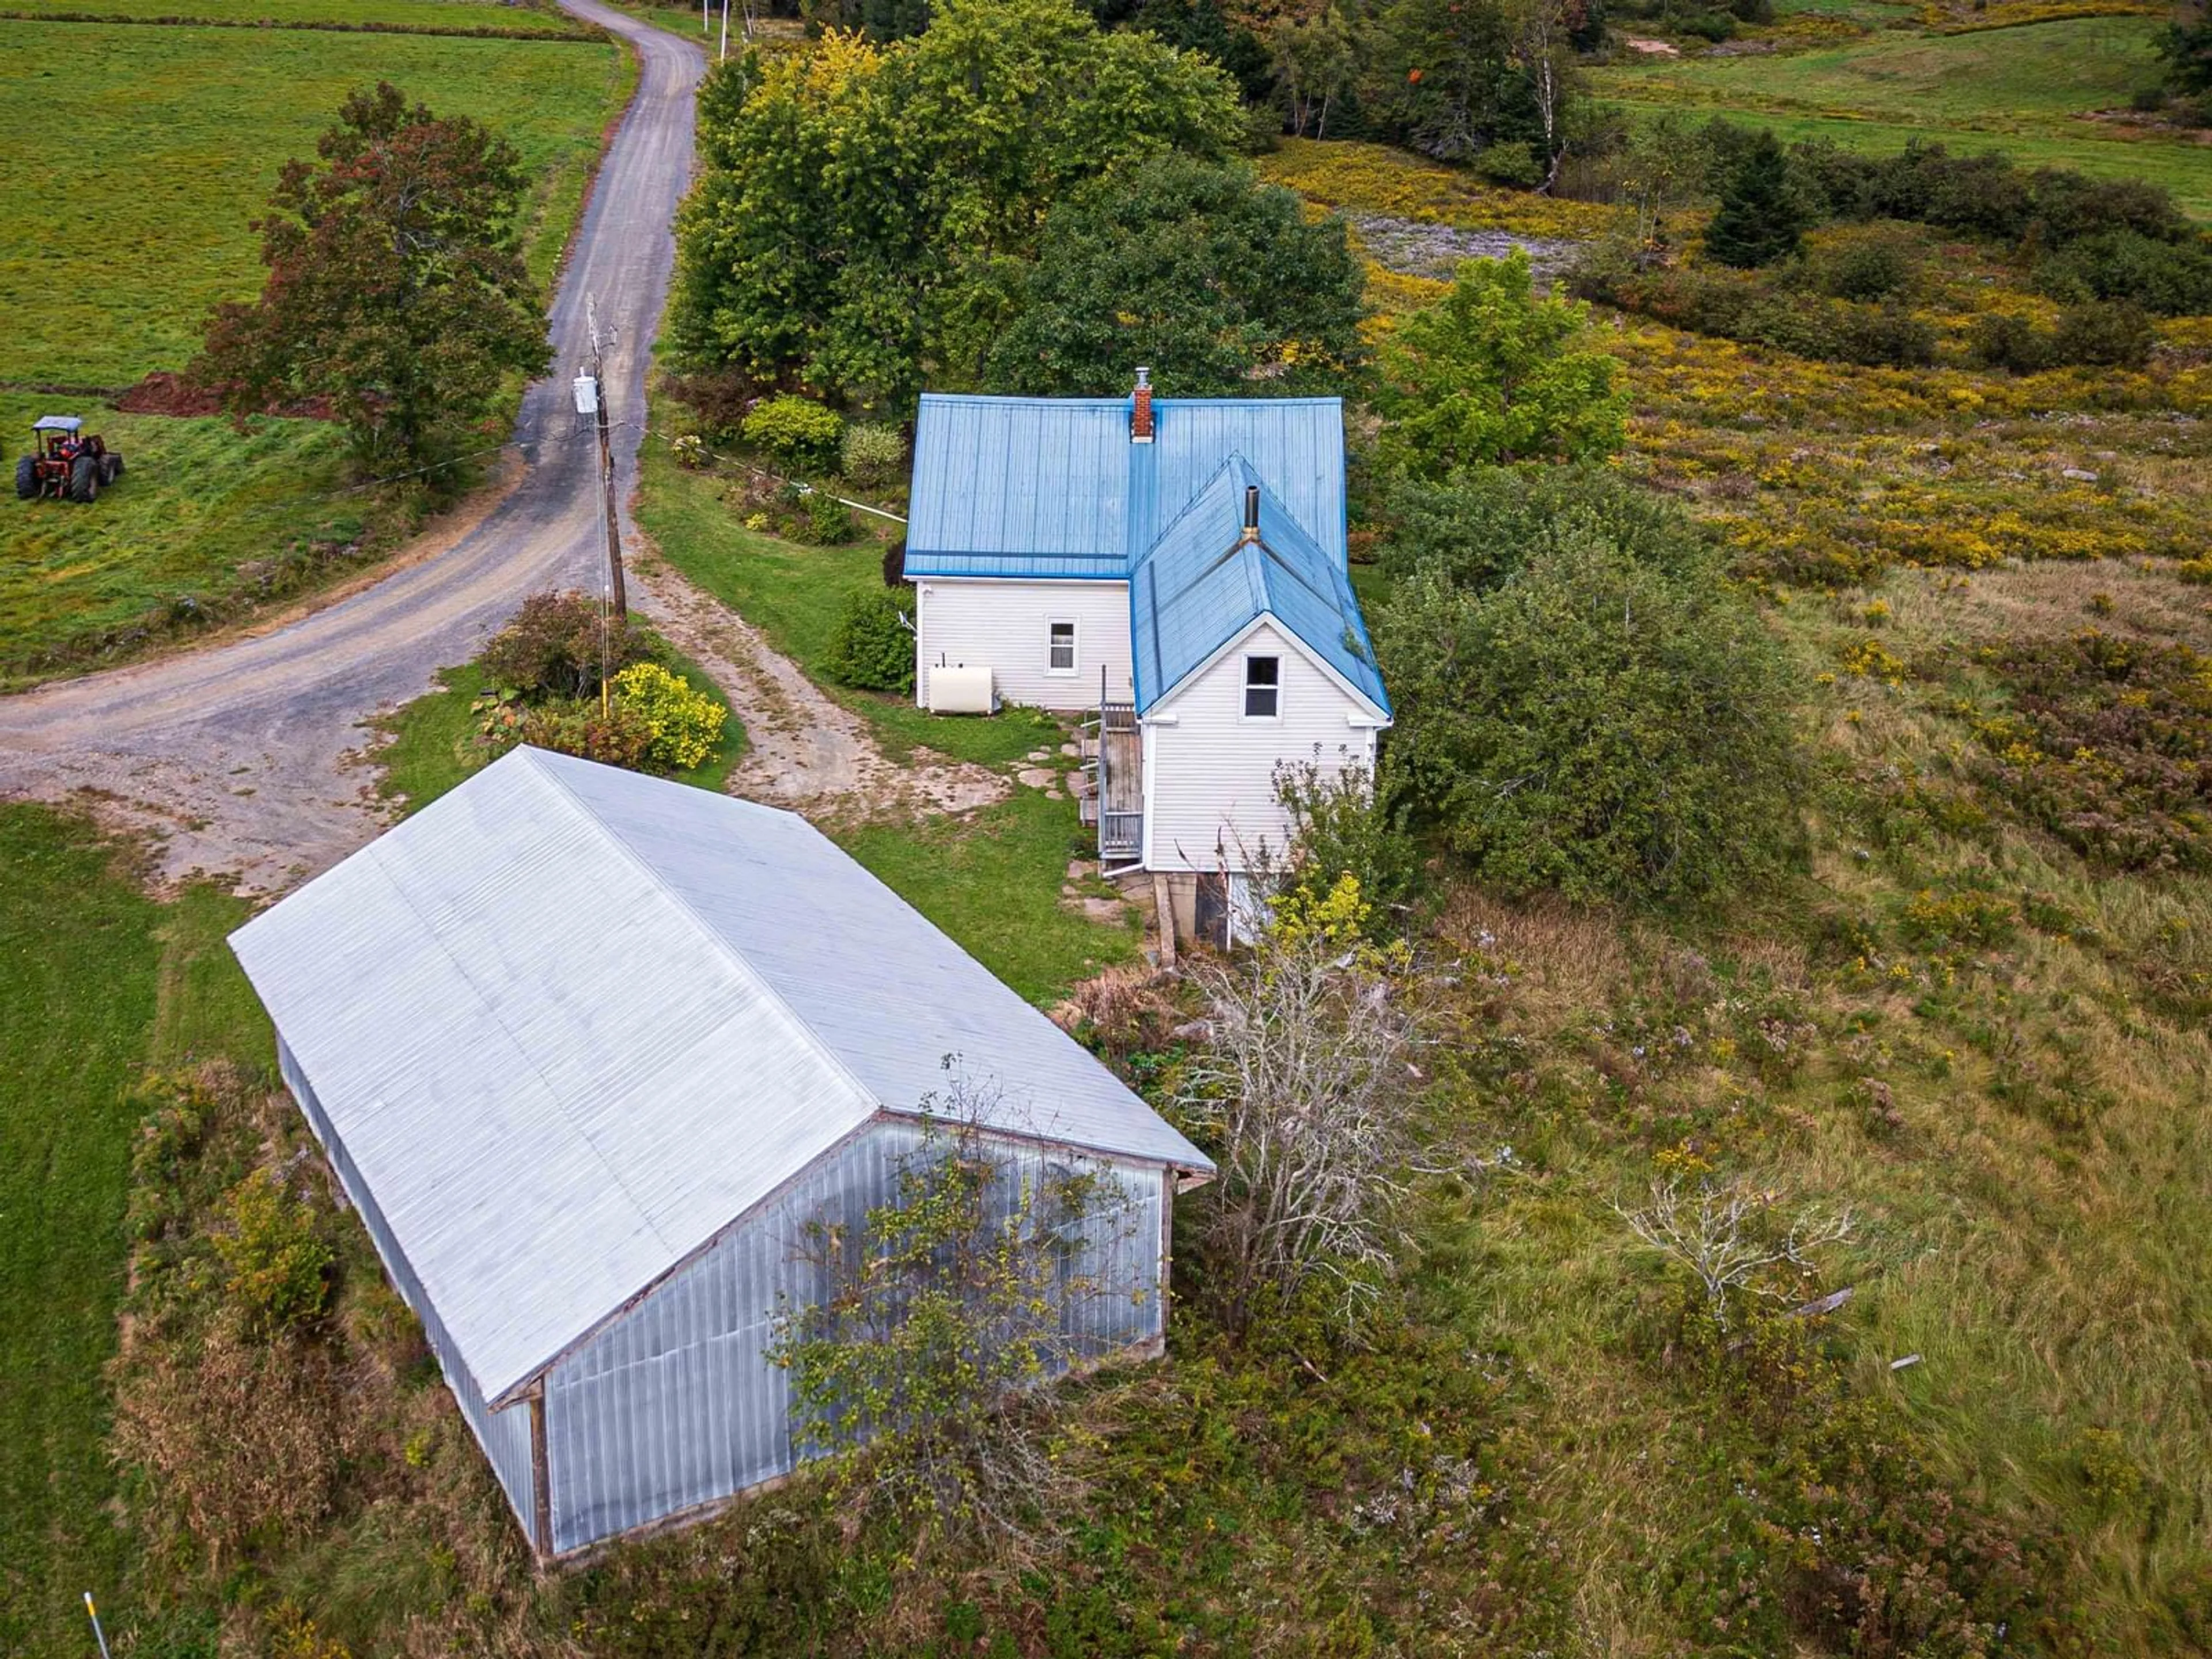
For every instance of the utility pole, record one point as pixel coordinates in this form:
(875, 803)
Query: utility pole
(591, 399)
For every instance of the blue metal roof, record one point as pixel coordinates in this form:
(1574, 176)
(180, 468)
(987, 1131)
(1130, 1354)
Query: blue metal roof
(1202, 583)
(1050, 487)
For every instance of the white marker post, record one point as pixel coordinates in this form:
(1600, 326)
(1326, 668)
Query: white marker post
(98, 1634)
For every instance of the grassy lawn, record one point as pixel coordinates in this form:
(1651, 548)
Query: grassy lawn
(97, 983)
(2023, 90)
(186, 128)
(991, 879)
(434, 739)
(200, 501)
(794, 595)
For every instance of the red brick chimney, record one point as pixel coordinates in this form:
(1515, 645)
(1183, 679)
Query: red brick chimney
(1140, 409)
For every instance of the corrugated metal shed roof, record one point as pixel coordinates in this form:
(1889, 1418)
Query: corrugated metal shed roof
(1202, 584)
(571, 1021)
(1052, 487)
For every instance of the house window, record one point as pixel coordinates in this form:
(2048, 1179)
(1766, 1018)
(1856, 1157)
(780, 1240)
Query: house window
(1059, 652)
(1263, 688)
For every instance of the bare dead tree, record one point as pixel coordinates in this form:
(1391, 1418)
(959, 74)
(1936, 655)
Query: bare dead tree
(918, 1372)
(1307, 1085)
(1724, 1233)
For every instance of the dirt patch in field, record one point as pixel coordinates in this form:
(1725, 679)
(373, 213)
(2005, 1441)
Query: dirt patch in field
(164, 393)
(1414, 249)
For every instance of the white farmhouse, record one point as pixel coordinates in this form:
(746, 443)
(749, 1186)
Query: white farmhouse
(1175, 568)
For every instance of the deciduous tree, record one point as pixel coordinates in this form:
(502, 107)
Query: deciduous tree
(869, 213)
(1216, 280)
(1494, 372)
(1594, 725)
(395, 284)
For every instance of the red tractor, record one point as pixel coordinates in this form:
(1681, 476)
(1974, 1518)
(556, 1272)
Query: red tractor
(65, 464)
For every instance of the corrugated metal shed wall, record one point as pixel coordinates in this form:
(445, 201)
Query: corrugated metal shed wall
(504, 1435)
(675, 1405)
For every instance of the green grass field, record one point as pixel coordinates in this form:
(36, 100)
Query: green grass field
(97, 984)
(532, 15)
(2027, 90)
(182, 129)
(109, 266)
(198, 501)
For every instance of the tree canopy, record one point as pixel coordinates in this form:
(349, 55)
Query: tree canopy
(1492, 373)
(395, 284)
(1594, 725)
(1214, 280)
(868, 213)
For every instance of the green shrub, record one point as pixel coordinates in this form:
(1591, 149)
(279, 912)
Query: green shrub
(622, 736)
(874, 454)
(686, 724)
(797, 431)
(1875, 337)
(824, 521)
(1494, 371)
(1476, 527)
(1594, 725)
(1345, 824)
(2105, 335)
(872, 647)
(277, 1265)
(1714, 25)
(2012, 343)
(1514, 165)
(1865, 265)
(552, 647)
(2171, 278)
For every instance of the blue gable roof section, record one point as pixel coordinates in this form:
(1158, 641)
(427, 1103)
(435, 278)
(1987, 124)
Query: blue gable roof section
(1202, 584)
(1052, 487)
(1019, 487)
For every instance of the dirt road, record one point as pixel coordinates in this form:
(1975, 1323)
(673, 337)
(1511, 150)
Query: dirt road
(235, 757)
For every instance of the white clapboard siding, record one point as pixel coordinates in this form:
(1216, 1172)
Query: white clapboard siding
(1003, 625)
(1210, 773)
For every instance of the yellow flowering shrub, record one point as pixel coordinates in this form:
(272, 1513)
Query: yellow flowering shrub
(686, 725)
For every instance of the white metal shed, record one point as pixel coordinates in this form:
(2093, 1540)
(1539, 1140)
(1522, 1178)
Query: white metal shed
(587, 1049)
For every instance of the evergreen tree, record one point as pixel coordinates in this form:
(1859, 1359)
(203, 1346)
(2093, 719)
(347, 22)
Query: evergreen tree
(1761, 217)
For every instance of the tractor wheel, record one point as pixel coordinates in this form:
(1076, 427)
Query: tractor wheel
(27, 479)
(111, 467)
(84, 480)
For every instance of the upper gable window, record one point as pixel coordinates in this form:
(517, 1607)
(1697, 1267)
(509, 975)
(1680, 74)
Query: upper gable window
(1060, 647)
(1263, 688)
